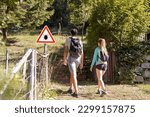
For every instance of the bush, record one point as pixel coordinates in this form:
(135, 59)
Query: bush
(121, 23)
(13, 88)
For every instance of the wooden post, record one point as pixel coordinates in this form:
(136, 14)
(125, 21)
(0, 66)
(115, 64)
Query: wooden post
(6, 64)
(32, 77)
(35, 74)
(59, 28)
(31, 74)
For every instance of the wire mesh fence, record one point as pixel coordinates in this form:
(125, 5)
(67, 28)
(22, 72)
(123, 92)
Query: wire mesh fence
(21, 84)
(22, 77)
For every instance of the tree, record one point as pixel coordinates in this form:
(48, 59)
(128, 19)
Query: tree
(120, 22)
(80, 12)
(61, 13)
(23, 13)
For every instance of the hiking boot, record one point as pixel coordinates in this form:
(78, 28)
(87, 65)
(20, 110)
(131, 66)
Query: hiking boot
(75, 95)
(70, 91)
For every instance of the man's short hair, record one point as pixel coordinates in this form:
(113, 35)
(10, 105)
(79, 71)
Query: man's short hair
(74, 32)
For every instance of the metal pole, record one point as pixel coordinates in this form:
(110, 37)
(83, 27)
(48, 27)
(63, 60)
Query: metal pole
(45, 49)
(46, 63)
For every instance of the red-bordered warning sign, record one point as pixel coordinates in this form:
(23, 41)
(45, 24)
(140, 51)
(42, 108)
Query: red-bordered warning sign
(45, 36)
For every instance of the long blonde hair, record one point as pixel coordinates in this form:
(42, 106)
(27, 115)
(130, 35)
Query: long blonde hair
(102, 45)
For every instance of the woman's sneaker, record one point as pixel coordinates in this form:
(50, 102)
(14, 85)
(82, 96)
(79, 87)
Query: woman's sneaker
(104, 92)
(75, 95)
(101, 93)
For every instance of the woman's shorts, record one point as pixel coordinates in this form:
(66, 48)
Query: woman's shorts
(101, 67)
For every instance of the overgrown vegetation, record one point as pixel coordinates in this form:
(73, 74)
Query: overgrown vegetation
(13, 87)
(145, 88)
(121, 23)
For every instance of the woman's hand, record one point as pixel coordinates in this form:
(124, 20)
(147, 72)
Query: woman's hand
(105, 62)
(91, 69)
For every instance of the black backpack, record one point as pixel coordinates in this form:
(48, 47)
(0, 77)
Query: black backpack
(75, 48)
(103, 56)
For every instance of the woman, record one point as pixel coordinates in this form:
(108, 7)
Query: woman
(100, 59)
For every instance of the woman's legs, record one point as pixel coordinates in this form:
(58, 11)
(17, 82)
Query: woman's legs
(99, 74)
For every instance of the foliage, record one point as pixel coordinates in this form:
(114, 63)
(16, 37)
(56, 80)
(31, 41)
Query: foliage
(13, 88)
(79, 11)
(29, 13)
(48, 94)
(61, 13)
(130, 57)
(120, 22)
(145, 88)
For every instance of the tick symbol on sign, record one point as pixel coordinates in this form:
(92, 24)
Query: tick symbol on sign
(45, 37)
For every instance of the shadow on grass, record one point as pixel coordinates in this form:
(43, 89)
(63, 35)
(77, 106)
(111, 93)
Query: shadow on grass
(11, 41)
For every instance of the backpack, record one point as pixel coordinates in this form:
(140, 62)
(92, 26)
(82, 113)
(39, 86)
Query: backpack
(103, 56)
(75, 48)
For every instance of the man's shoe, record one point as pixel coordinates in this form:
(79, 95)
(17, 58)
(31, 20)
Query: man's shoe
(70, 91)
(75, 95)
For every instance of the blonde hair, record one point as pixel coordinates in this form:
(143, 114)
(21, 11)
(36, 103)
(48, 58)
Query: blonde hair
(102, 45)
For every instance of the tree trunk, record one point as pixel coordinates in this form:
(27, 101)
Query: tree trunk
(83, 25)
(4, 33)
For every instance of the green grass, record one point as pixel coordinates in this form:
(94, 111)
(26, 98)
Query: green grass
(18, 43)
(145, 88)
(15, 86)
(16, 46)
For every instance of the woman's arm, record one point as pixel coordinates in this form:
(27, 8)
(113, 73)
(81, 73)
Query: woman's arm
(94, 58)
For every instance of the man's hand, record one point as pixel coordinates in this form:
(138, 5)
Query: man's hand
(81, 66)
(65, 62)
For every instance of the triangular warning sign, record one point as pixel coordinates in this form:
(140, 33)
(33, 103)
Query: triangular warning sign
(45, 36)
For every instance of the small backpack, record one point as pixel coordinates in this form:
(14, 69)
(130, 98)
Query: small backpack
(103, 56)
(75, 48)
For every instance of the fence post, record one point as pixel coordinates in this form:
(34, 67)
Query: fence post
(31, 74)
(6, 64)
(35, 74)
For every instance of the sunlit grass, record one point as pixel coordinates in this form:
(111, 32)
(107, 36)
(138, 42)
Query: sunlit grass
(145, 88)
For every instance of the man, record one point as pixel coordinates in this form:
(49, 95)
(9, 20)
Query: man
(73, 56)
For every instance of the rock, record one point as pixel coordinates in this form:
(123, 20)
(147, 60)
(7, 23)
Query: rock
(139, 79)
(146, 74)
(145, 65)
(148, 58)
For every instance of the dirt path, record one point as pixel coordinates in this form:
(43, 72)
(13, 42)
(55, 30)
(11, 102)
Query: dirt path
(115, 92)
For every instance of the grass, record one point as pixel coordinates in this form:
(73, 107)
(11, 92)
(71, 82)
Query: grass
(16, 45)
(13, 88)
(145, 88)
